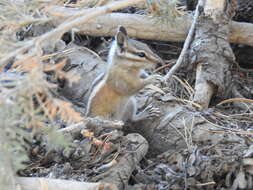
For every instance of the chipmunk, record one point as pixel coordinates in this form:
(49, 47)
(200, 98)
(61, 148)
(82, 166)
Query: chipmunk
(113, 97)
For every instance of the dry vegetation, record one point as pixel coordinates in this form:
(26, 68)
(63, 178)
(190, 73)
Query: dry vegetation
(210, 149)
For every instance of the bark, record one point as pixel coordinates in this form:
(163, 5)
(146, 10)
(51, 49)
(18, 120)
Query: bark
(203, 89)
(147, 27)
(211, 51)
(120, 174)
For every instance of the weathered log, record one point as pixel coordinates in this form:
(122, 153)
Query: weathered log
(147, 27)
(35, 183)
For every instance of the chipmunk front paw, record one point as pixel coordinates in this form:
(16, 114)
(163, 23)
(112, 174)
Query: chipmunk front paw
(151, 112)
(148, 113)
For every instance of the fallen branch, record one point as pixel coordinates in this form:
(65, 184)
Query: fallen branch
(147, 27)
(96, 124)
(35, 183)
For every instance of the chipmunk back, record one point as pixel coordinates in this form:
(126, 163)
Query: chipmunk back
(113, 96)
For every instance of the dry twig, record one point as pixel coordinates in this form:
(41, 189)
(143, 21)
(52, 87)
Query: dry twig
(244, 100)
(187, 43)
(94, 123)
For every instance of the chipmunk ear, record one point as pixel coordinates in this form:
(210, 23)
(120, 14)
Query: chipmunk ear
(121, 37)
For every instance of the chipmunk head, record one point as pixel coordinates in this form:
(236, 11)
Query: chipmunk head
(132, 51)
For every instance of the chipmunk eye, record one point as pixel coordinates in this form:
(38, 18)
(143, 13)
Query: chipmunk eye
(141, 54)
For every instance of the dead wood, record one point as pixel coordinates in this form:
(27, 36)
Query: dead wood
(34, 183)
(161, 136)
(175, 130)
(88, 65)
(137, 147)
(211, 51)
(83, 18)
(147, 27)
(68, 25)
(203, 89)
(95, 124)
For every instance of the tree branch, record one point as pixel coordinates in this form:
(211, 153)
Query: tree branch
(147, 27)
